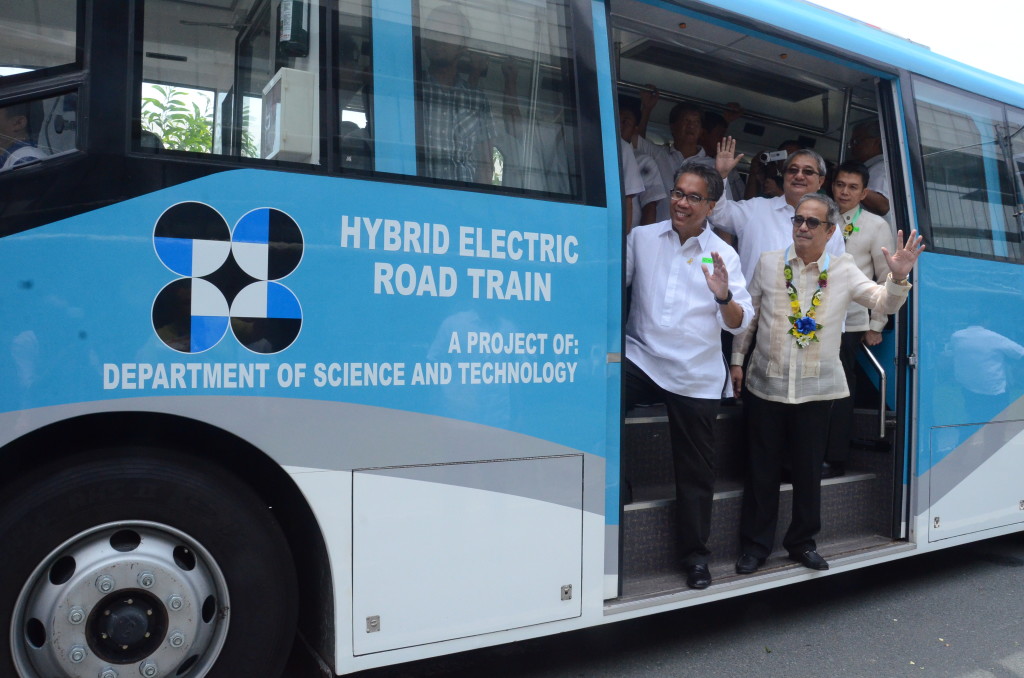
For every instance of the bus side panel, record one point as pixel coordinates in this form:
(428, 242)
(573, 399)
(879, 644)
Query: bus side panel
(391, 326)
(971, 395)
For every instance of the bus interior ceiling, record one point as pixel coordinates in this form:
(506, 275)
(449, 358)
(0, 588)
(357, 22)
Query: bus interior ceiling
(188, 43)
(785, 92)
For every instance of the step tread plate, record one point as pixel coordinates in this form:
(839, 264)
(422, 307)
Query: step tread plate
(643, 589)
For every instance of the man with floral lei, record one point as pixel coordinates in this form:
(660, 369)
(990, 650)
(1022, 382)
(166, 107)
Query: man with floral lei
(800, 296)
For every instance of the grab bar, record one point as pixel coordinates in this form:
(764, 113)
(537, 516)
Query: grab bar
(881, 389)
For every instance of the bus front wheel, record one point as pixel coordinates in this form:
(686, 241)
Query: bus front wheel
(142, 562)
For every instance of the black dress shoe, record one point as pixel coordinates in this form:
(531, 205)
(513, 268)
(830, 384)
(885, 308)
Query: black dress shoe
(698, 576)
(811, 559)
(832, 469)
(748, 564)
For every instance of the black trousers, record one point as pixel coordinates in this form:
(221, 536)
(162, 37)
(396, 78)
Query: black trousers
(692, 428)
(841, 429)
(779, 433)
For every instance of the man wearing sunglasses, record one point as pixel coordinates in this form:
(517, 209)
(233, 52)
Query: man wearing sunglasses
(687, 288)
(800, 296)
(763, 224)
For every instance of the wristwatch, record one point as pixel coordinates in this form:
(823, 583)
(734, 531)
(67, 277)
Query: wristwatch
(728, 298)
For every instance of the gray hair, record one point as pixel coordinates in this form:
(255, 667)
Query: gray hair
(832, 215)
(820, 161)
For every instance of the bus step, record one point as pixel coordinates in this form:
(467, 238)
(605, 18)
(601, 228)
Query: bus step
(667, 585)
(853, 506)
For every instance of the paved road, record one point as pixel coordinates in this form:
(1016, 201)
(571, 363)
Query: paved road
(954, 614)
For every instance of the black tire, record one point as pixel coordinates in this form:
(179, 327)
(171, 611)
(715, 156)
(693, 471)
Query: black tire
(101, 544)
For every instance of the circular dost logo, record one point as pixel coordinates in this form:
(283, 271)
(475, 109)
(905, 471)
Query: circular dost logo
(230, 279)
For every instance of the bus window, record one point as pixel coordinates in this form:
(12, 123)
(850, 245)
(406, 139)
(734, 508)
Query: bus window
(37, 34)
(238, 81)
(495, 94)
(354, 68)
(970, 192)
(36, 129)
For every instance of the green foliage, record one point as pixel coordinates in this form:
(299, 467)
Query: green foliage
(175, 117)
(181, 127)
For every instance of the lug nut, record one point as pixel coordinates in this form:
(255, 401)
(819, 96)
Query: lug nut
(175, 602)
(76, 615)
(105, 583)
(77, 654)
(176, 639)
(148, 669)
(108, 673)
(146, 579)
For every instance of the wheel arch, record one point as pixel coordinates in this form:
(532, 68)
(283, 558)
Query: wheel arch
(235, 455)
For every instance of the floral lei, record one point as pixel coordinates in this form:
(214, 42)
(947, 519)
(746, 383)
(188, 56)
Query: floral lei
(804, 326)
(852, 226)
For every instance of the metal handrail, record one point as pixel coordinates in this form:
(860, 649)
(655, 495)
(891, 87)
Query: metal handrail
(882, 389)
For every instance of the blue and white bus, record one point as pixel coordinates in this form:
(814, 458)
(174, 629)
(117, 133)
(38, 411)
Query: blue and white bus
(272, 364)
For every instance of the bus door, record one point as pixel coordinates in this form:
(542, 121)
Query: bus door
(773, 95)
(970, 364)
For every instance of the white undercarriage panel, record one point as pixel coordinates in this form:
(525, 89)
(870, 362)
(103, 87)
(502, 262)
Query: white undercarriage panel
(435, 558)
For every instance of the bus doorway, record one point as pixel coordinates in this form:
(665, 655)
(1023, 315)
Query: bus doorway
(773, 96)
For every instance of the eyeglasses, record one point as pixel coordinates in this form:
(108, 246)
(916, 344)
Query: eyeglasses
(691, 198)
(812, 222)
(806, 171)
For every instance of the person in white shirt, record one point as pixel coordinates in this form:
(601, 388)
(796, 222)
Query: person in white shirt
(865, 235)
(763, 224)
(686, 124)
(800, 296)
(632, 182)
(16, 144)
(686, 288)
(866, 148)
(645, 205)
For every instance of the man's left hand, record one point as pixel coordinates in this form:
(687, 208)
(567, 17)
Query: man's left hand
(718, 279)
(901, 263)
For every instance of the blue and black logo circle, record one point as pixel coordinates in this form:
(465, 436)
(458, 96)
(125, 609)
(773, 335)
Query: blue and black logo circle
(229, 279)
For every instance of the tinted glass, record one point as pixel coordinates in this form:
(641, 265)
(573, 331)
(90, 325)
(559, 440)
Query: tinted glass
(236, 79)
(496, 94)
(31, 131)
(36, 34)
(970, 190)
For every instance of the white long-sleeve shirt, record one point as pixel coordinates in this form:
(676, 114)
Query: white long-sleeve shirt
(674, 328)
(781, 371)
